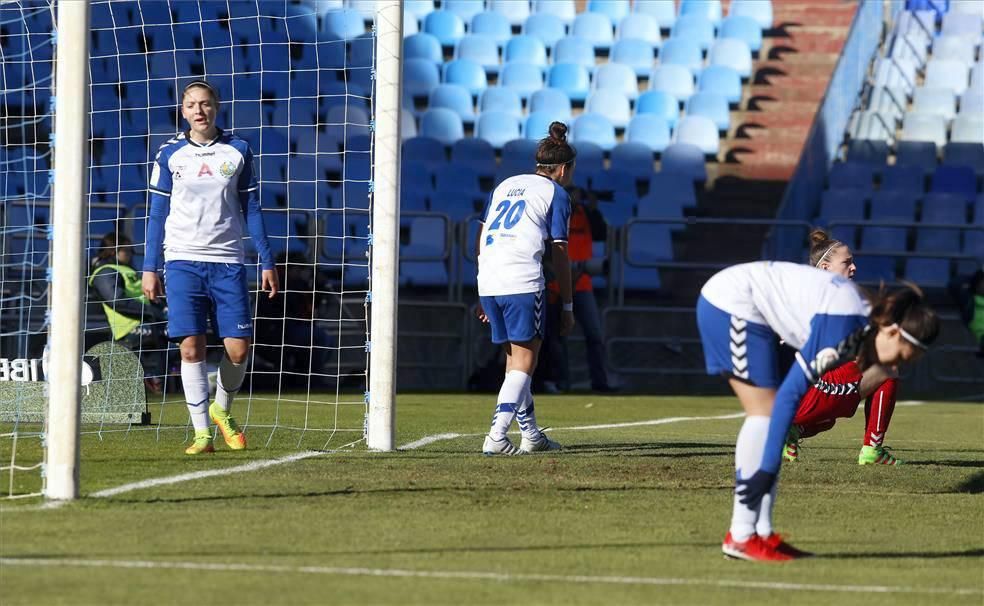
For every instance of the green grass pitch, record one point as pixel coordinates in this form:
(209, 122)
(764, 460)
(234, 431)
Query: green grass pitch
(632, 514)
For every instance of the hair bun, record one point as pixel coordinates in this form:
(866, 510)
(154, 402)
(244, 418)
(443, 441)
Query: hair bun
(558, 132)
(819, 236)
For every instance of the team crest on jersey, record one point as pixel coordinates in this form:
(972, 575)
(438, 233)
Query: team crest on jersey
(227, 169)
(176, 174)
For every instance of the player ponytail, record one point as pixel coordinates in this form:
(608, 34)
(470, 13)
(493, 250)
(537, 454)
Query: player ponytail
(554, 151)
(821, 245)
(906, 309)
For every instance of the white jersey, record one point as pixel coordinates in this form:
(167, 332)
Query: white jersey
(206, 184)
(522, 213)
(783, 296)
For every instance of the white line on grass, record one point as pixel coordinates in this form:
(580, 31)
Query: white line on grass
(479, 576)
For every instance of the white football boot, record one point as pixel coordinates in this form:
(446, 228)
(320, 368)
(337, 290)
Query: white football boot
(539, 444)
(499, 447)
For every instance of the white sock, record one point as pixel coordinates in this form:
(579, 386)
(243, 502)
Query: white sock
(526, 416)
(764, 524)
(512, 392)
(194, 380)
(228, 382)
(748, 456)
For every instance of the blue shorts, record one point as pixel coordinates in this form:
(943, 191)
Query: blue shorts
(737, 348)
(197, 291)
(515, 318)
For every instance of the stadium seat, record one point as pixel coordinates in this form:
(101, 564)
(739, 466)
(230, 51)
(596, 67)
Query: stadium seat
(956, 48)
(968, 128)
(744, 29)
(938, 240)
(594, 128)
(732, 53)
(943, 73)
(696, 28)
(721, 80)
(446, 26)
(501, 99)
(977, 77)
(919, 26)
(615, 10)
(684, 159)
(959, 180)
(974, 238)
(590, 160)
(416, 176)
(635, 159)
(345, 24)
(610, 103)
(924, 127)
(874, 269)
(894, 205)
(870, 125)
(552, 101)
(420, 76)
(944, 208)
(641, 27)
(889, 102)
(910, 48)
(492, 24)
(661, 104)
(442, 124)
(475, 153)
(660, 206)
(843, 205)
(645, 244)
(883, 239)
(682, 51)
(700, 132)
(673, 79)
(972, 101)
(711, 106)
(635, 53)
(497, 128)
(466, 73)
(916, 154)
(928, 272)
(573, 49)
(939, 101)
(901, 178)
(893, 73)
(570, 78)
(519, 155)
(480, 49)
(760, 10)
(420, 258)
(874, 153)
(618, 77)
(526, 49)
(958, 24)
(524, 78)
(453, 97)
(847, 175)
(662, 10)
(707, 9)
(456, 177)
(595, 28)
(965, 154)
(564, 10)
(651, 130)
(537, 124)
(516, 12)
(464, 9)
(418, 8)
(673, 189)
(545, 26)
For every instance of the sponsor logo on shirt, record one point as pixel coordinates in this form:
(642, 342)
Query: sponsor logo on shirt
(203, 154)
(244, 326)
(176, 174)
(489, 240)
(204, 170)
(227, 169)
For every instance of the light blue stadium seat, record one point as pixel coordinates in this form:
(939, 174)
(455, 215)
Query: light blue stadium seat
(642, 27)
(847, 175)
(455, 97)
(912, 49)
(594, 128)
(481, 49)
(651, 130)
(645, 244)
(617, 76)
(636, 53)
(696, 28)
(977, 77)
(442, 124)
(682, 51)
(939, 101)
(698, 131)
(883, 239)
(721, 80)
(548, 28)
(919, 155)
(660, 103)
(635, 159)
(446, 26)
(894, 206)
(958, 24)
(420, 265)
(760, 10)
(901, 178)
(732, 53)
(418, 8)
(408, 124)
(344, 24)
(594, 27)
(537, 124)
(464, 9)
(928, 272)
(968, 128)
(475, 153)
(957, 48)
(501, 99)
(871, 125)
(565, 10)
(947, 73)
(893, 73)
(673, 79)
(744, 29)
(524, 78)
(663, 10)
(515, 11)
(571, 78)
(707, 9)
(711, 106)
(889, 102)
(965, 154)
(420, 76)
(610, 103)
(960, 180)
(552, 101)
(574, 49)
(684, 159)
(423, 46)
(466, 73)
(919, 26)
(498, 128)
(924, 127)
(615, 10)
(972, 101)
(526, 49)
(492, 24)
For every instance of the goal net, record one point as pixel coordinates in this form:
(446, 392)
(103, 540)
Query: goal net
(296, 81)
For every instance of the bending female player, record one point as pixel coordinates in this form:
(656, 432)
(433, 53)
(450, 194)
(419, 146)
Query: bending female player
(839, 392)
(740, 311)
(522, 213)
(201, 186)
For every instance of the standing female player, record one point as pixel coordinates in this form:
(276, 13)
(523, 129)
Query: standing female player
(522, 213)
(202, 185)
(823, 316)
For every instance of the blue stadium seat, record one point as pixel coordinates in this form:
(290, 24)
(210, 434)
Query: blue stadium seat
(732, 53)
(476, 154)
(944, 73)
(956, 48)
(684, 159)
(501, 99)
(594, 27)
(944, 208)
(847, 175)
(902, 178)
(466, 73)
(464, 9)
(641, 27)
(519, 157)
(442, 124)
(927, 272)
(977, 77)
(660, 103)
(910, 48)
(874, 269)
(635, 159)
(939, 101)
(537, 124)
(721, 80)
(618, 77)
(564, 10)
(654, 206)
(760, 10)
(959, 180)
(551, 101)
(574, 49)
(458, 205)
(696, 28)
(453, 97)
(416, 176)
(615, 10)
(893, 73)
(635, 53)
(515, 12)
(938, 240)
(889, 102)
(744, 29)
(423, 46)
(974, 238)
(673, 79)
(916, 154)
(456, 177)
(420, 77)
(646, 243)
(481, 49)
(838, 205)
(663, 10)
(893, 205)
(917, 25)
(925, 128)
(610, 103)
(492, 24)
(524, 78)
(571, 78)
(883, 239)
(698, 131)
(682, 51)
(972, 101)
(497, 128)
(446, 26)
(968, 128)
(711, 106)
(345, 24)
(965, 154)
(526, 49)
(651, 130)
(594, 128)
(548, 28)
(707, 9)
(958, 24)
(673, 189)
(418, 8)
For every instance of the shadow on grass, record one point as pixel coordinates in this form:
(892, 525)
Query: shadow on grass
(930, 555)
(972, 485)
(949, 463)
